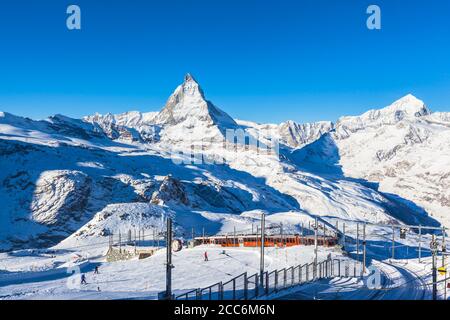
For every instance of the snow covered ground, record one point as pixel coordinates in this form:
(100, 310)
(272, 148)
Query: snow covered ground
(46, 274)
(139, 278)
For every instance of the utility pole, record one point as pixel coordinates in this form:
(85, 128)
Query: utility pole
(337, 228)
(120, 242)
(420, 244)
(203, 238)
(433, 250)
(263, 231)
(169, 260)
(343, 237)
(364, 248)
(444, 249)
(157, 237)
(110, 241)
(315, 247)
(257, 236)
(357, 240)
(393, 242)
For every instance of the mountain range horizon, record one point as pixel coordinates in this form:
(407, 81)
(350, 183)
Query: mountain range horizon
(189, 77)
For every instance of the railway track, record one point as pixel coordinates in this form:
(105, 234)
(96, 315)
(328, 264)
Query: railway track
(397, 283)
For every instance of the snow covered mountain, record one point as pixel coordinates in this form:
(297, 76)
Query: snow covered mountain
(186, 113)
(65, 177)
(403, 147)
(188, 105)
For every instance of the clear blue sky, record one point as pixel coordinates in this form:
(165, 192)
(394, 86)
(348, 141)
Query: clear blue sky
(259, 60)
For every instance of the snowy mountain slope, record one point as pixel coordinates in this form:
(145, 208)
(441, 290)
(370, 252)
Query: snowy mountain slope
(51, 189)
(405, 149)
(60, 173)
(408, 108)
(58, 126)
(289, 133)
(298, 135)
(133, 125)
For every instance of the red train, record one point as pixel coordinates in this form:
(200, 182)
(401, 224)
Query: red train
(270, 241)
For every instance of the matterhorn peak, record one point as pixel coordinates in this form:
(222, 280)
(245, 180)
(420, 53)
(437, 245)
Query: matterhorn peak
(188, 77)
(190, 87)
(188, 105)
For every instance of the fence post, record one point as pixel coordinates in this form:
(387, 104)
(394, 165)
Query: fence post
(245, 286)
(307, 273)
(327, 267)
(234, 289)
(257, 286)
(276, 280)
(315, 271)
(331, 268)
(220, 290)
(300, 274)
(339, 266)
(267, 283)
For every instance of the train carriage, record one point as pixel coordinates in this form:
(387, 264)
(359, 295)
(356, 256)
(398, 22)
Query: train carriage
(269, 241)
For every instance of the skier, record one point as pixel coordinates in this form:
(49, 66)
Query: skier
(83, 279)
(206, 256)
(96, 270)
